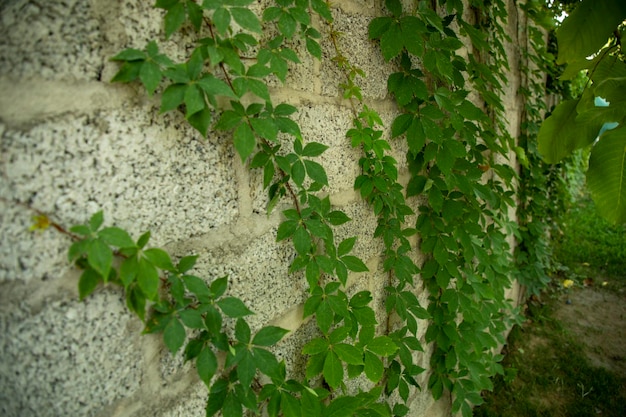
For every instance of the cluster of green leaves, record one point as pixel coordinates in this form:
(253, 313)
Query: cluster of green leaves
(454, 149)
(378, 185)
(542, 190)
(184, 308)
(593, 29)
(217, 68)
(348, 339)
(452, 142)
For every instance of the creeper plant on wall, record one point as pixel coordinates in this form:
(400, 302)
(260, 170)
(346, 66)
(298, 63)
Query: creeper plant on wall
(462, 225)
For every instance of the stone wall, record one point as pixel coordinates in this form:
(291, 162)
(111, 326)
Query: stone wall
(73, 144)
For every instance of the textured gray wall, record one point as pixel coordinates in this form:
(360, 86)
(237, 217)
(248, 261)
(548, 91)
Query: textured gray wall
(72, 144)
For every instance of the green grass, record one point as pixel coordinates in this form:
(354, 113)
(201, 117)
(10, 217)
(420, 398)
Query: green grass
(547, 371)
(589, 244)
(554, 377)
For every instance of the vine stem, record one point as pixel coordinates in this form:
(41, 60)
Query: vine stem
(228, 78)
(58, 227)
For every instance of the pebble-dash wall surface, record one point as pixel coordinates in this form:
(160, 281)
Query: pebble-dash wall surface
(73, 144)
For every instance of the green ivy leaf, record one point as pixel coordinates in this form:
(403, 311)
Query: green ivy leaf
(271, 13)
(314, 48)
(298, 172)
(290, 405)
(348, 353)
(354, 264)
(382, 345)
(333, 370)
(128, 72)
(174, 335)
(315, 346)
(302, 241)
(374, 367)
(287, 25)
(391, 42)
(246, 368)
(378, 26)
(221, 20)
(136, 301)
(197, 286)
(206, 365)
(129, 270)
(150, 76)
(286, 230)
(360, 299)
(115, 236)
(219, 286)
(266, 362)
(192, 319)
(246, 19)
(269, 336)
(259, 88)
(88, 282)
(343, 407)
(214, 86)
(233, 307)
(213, 321)
(82, 230)
(195, 64)
(96, 221)
(201, 121)
(337, 218)
(100, 257)
(172, 97)
(242, 332)
(346, 246)
(186, 263)
(265, 128)
(322, 9)
(316, 172)
(148, 279)
(194, 100)
(174, 19)
(324, 316)
(195, 14)
(130, 54)
(401, 124)
(160, 259)
(244, 141)
(314, 149)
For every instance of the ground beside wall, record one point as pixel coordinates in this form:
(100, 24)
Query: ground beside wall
(72, 144)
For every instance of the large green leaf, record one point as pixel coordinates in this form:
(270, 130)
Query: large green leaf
(561, 133)
(614, 91)
(588, 28)
(606, 177)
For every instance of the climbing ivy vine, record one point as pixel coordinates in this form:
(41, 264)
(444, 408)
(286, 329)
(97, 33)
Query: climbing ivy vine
(461, 181)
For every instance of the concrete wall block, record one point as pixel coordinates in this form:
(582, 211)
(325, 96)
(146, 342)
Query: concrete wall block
(60, 40)
(134, 23)
(360, 51)
(71, 145)
(257, 272)
(190, 403)
(329, 124)
(26, 256)
(70, 358)
(363, 225)
(145, 176)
